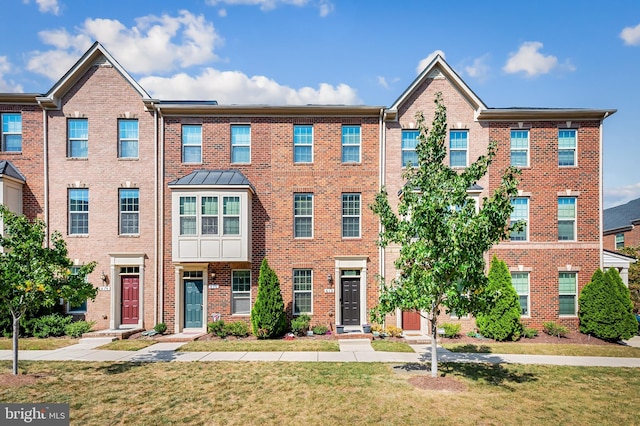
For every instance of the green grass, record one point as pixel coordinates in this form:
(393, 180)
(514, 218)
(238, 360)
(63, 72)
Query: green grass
(546, 349)
(33, 343)
(127, 345)
(298, 345)
(252, 393)
(387, 346)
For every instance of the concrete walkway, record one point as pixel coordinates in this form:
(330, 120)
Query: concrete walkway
(351, 350)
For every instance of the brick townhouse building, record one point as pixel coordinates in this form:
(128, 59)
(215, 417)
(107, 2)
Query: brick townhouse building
(180, 201)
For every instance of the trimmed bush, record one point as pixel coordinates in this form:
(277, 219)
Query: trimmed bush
(529, 333)
(451, 330)
(501, 320)
(217, 328)
(606, 310)
(268, 318)
(320, 329)
(52, 325)
(78, 328)
(555, 329)
(237, 329)
(393, 331)
(300, 325)
(160, 328)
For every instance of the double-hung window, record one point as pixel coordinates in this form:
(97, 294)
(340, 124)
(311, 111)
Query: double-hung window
(567, 147)
(566, 219)
(12, 132)
(458, 144)
(78, 134)
(129, 211)
(192, 143)
(188, 216)
(241, 292)
(567, 297)
(241, 144)
(619, 241)
(209, 210)
(127, 138)
(303, 215)
(520, 213)
(351, 140)
(231, 215)
(520, 148)
(78, 211)
(302, 290)
(303, 144)
(520, 281)
(409, 143)
(350, 215)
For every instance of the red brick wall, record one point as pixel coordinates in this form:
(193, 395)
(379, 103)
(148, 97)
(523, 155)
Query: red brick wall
(276, 178)
(631, 239)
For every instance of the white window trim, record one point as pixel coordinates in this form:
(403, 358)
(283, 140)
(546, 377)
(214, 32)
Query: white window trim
(403, 150)
(3, 134)
(242, 292)
(201, 215)
(574, 294)
(342, 144)
(69, 212)
(303, 216)
(240, 145)
(466, 150)
(180, 216)
(302, 292)
(121, 212)
(343, 216)
(70, 139)
(136, 139)
(619, 240)
(303, 144)
(528, 293)
(528, 218)
(527, 149)
(575, 149)
(183, 144)
(575, 220)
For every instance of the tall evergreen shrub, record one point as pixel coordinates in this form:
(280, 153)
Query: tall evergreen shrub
(606, 310)
(501, 319)
(268, 318)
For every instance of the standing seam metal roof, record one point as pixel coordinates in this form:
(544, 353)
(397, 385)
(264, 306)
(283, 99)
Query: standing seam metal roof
(213, 178)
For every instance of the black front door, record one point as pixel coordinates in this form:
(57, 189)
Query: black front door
(350, 301)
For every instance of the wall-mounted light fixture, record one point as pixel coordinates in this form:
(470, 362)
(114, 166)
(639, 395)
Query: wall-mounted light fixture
(329, 279)
(103, 277)
(213, 275)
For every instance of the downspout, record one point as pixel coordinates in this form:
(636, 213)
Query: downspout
(382, 138)
(160, 217)
(155, 212)
(601, 188)
(45, 155)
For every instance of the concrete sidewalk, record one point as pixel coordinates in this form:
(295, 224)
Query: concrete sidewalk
(351, 350)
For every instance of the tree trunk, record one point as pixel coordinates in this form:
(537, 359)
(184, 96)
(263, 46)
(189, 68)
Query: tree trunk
(434, 345)
(16, 332)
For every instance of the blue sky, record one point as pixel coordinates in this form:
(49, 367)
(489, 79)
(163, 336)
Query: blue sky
(567, 54)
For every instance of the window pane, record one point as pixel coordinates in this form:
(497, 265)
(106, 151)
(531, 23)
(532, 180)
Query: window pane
(12, 123)
(240, 144)
(209, 205)
(78, 134)
(519, 158)
(566, 158)
(128, 138)
(231, 226)
(566, 139)
(188, 216)
(13, 143)
(519, 139)
(350, 144)
(567, 305)
(241, 292)
(188, 205)
(567, 282)
(303, 215)
(78, 211)
(302, 290)
(231, 205)
(188, 225)
(351, 215)
(191, 144)
(409, 143)
(303, 144)
(210, 225)
(458, 139)
(129, 208)
(520, 213)
(524, 305)
(458, 158)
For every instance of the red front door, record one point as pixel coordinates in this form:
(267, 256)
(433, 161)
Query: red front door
(130, 299)
(410, 320)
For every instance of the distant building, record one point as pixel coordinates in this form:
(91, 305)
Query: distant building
(620, 226)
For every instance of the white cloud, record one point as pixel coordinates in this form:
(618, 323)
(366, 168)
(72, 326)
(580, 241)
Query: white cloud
(631, 35)
(47, 6)
(325, 6)
(529, 60)
(7, 86)
(479, 69)
(149, 46)
(233, 87)
(621, 195)
(383, 82)
(424, 62)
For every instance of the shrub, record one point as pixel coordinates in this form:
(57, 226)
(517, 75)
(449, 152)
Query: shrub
(529, 333)
(501, 321)
(377, 328)
(300, 325)
(237, 329)
(451, 330)
(606, 310)
(268, 318)
(160, 328)
(50, 325)
(217, 328)
(320, 329)
(393, 331)
(555, 329)
(78, 328)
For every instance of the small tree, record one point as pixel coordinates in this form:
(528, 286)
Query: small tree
(34, 275)
(443, 238)
(268, 318)
(634, 276)
(501, 321)
(606, 310)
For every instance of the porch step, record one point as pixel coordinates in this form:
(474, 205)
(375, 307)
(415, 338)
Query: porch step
(121, 333)
(179, 337)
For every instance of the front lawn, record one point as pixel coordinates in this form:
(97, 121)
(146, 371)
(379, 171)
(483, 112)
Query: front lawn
(388, 346)
(276, 393)
(36, 344)
(268, 345)
(545, 349)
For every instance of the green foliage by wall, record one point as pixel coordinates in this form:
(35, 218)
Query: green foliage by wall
(606, 310)
(501, 319)
(268, 318)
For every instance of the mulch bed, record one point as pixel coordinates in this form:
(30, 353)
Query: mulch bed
(9, 380)
(573, 338)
